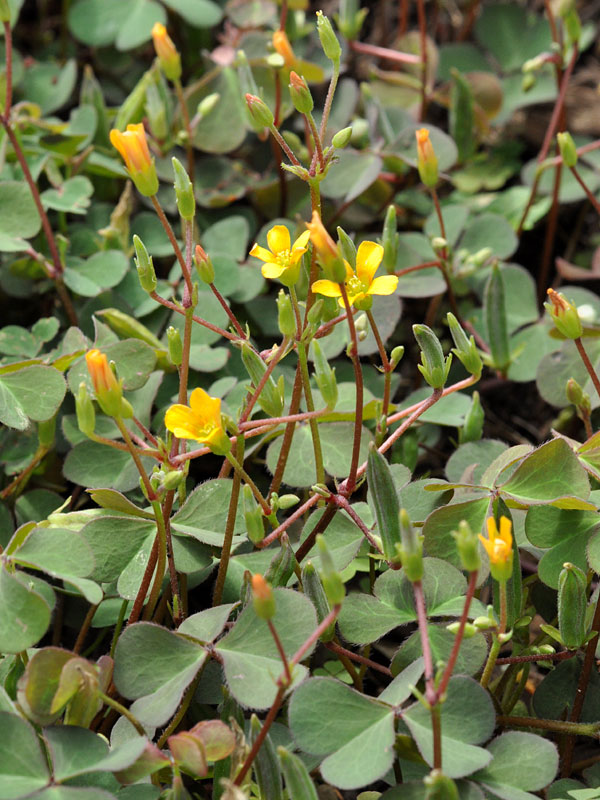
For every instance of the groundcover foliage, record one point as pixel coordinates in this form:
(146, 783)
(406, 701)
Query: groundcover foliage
(300, 482)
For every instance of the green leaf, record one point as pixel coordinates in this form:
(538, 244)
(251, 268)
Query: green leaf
(97, 466)
(522, 762)
(200, 13)
(24, 614)
(97, 22)
(18, 212)
(356, 734)
(472, 459)
(571, 536)
(137, 28)
(204, 514)
(441, 522)
(352, 173)
(512, 34)
(23, 767)
(228, 235)
(102, 271)
(73, 196)
(365, 618)
(558, 690)
(551, 474)
(471, 655)
(34, 392)
(135, 361)
(250, 657)
(224, 128)
(50, 85)
(460, 731)
(154, 666)
(490, 230)
(450, 410)
(207, 625)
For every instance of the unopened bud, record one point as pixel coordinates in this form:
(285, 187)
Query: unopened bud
(440, 786)
(572, 605)
(204, 266)
(207, 105)
(427, 162)
(342, 138)
(259, 111)
(300, 94)
(567, 147)
(288, 501)
(467, 544)
(472, 429)
(144, 266)
(168, 56)
(175, 346)
(396, 356)
(389, 239)
(84, 408)
(329, 41)
(184, 191)
(324, 376)
(469, 630)
(262, 598)
(285, 315)
(172, 480)
(434, 367)
(253, 516)
(465, 349)
(4, 11)
(411, 549)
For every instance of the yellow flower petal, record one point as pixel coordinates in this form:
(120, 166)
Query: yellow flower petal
(278, 238)
(262, 253)
(207, 408)
(506, 531)
(327, 288)
(271, 270)
(368, 258)
(385, 284)
(302, 241)
(181, 421)
(349, 271)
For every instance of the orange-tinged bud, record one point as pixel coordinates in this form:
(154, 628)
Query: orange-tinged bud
(263, 600)
(300, 94)
(133, 147)
(327, 250)
(427, 162)
(282, 45)
(167, 53)
(564, 314)
(106, 386)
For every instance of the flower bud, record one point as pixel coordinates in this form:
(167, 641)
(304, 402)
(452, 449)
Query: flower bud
(389, 240)
(315, 312)
(4, 11)
(262, 598)
(184, 191)
(564, 314)
(313, 589)
(342, 138)
(253, 516)
(207, 105)
(329, 41)
(467, 544)
(411, 549)
(324, 376)
(84, 408)
(469, 630)
(327, 251)
(168, 56)
(465, 349)
(427, 162)
(282, 45)
(332, 580)
(472, 430)
(259, 111)
(288, 501)
(107, 388)
(440, 786)
(572, 606)
(434, 367)
(567, 147)
(144, 266)
(300, 94)
(285, 315)
(396, 356)
(282, 564)
(133, 147)
(573, 25)
(204, 266)
(175, 346)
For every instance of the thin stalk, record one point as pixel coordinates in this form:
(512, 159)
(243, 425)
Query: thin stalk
(441, 689)
(284, 146)
(329, 100)
(336, 648)
(8, 57)
(350, 482)
(583, 185)
(175, 307)
(181, 711)
(83, 631)
(430, 692)
(160, 512)
(571, 728)
(387, 374)
(138, 603)
(423, 54)
(229, 527)
(582, 685)
(136, 458)
(321, 525)
(315, 635)
(298, 513)
(281, 651)
(314, 425)
(248, 480)
(124, 712)
(176, 249)
(317, 140)
(161, 561)
(385, 52)
(496, 643)
(263, 381)
(588, 364)
(271, 421)
(287, 434)
(564, 655)
(118, 628)
(188, 129)
(341, 501)
(24, 474)
(269, 719)
(232, 318)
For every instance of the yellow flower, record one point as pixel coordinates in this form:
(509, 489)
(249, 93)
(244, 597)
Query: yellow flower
(107, 388)
(282, 45)
(360, 285)
(282, 260)
(427, 162)
(133, 147)
(169, 58)
(201, 420)
(498, 546)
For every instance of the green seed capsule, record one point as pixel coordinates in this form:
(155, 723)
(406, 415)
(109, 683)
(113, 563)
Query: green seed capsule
(271, 397)
(184, 191)
(313, 589)
(572, 606)
(434, 367)
(282, 564)
(385, 500)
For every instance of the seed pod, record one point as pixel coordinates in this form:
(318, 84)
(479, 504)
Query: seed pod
(385, 500)
(389, 239)
(300, 94)
(282, 564)
(144, 265)
(324, 376)
(467, 544)
(473, 428)
(285, 315)
(184, 191)
(572, 606)
(465, 349)
(496, 319)
(567, 147)
(346, 247)
(271, 397)
(342, 138)
(329, 41)
(298, 782)
(313, 589)
(175, 345)
(434, 367)
(266, 764)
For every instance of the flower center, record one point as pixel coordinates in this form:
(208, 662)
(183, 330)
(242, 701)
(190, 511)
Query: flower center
(501, 551)
(354, 286)
(283, 258)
